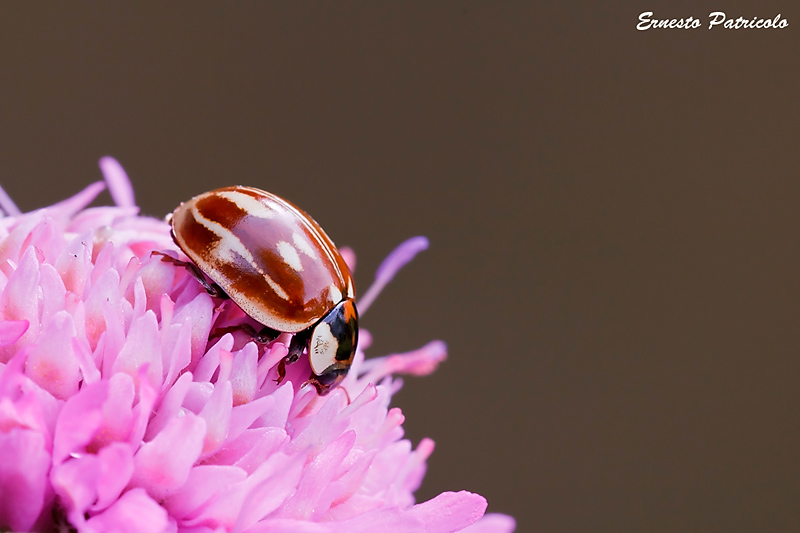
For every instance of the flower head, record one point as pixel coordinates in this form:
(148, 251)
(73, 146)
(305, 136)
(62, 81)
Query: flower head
(121, 410)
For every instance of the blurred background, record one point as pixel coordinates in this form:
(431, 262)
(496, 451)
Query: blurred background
(612, 214)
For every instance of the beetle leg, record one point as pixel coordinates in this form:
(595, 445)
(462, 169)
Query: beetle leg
(321, 392)
(264, 336)
(299, 343)
(211, 288)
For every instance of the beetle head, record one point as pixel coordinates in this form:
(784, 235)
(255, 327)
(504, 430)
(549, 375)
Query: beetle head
(333, 345)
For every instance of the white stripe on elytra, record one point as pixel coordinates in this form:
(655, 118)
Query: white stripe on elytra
(248, 204)
(336, 294)
(303, 245)
(290, 255)
(228, 244)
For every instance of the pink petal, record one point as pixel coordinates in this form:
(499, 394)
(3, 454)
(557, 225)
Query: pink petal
(399, 257)
(268, 488)
(25, 405)
(250, 449)
(12, 330)
(217, 414)
(244, 374)
(79, 420)
(142, 346)
(170, 406)
(92, 481)
(391, 519)
(116, 469)
(100, 220)
(176, 347)
(157, 279)
(7, 204)
(449, 511)
(207, 366)
(243, 416)
(492, 523)
(83, 355)
(48, 239)
(416, 465)
(389, 268)
(72, 205)
(54, 293)
(117, 410)
(73, 482)
(163, 464)
(144, 409)
(387, 474)
(420, 362)
(288, 525)
(51, 362)
(20, 298)
(198, 312)
(102, 307)
(268, 361)
(387, 432)
(23, 477)
(15, 243)
(74, 263)
(134, 512)
(204, 483)
(323, 427)
(103, 256)
(306, 503)
(117, 180)
(278, 415)
(347, 481)
(349, 257)
(254, 497)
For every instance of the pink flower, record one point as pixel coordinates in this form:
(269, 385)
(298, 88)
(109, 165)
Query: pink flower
(120, 410)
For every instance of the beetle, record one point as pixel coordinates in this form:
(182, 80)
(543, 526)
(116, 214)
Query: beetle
(279, 266)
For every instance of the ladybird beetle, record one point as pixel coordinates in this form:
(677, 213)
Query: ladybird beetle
(278, 265)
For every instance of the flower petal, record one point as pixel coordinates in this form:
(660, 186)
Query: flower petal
(289, 525)
(449, 511)
(7, 204)
(492, 523)
(307, 502)
(134, 512)
(204, 483)
(396, 260)
(78, 421)
(20, 299)
(142, 347)
(12, 330)
(117, 180)
(23, 477)
(51, 362)
(92, 482)
(164, 463)
(72, 205)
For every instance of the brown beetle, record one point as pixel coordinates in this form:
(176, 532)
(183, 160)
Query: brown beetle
(277, 264)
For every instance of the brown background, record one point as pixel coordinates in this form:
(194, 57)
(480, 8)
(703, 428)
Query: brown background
(613, 218)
